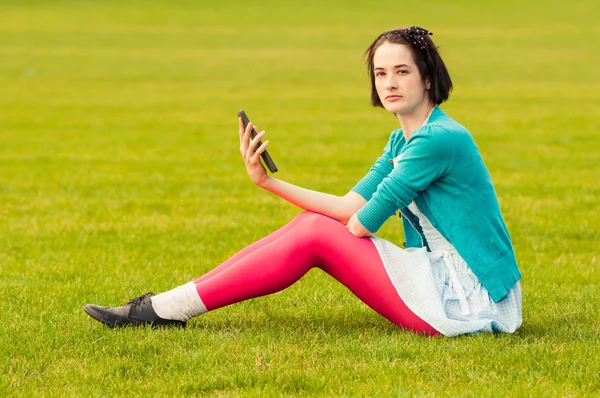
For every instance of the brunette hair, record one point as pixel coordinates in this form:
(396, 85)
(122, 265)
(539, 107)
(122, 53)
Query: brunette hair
(426, 57)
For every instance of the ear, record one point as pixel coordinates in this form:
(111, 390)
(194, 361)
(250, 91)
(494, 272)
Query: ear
(428, 84)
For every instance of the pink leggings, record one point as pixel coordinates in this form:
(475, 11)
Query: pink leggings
(282, 258)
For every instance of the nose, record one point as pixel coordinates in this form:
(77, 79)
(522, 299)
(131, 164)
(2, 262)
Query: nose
(390, 83)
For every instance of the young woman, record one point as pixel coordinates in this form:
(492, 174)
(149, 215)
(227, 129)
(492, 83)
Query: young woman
(458, 273)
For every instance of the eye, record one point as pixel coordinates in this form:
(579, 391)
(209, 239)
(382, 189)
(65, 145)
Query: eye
(379, 73)
(402, 72)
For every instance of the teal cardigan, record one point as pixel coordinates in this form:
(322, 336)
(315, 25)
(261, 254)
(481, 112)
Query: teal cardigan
(442, 171)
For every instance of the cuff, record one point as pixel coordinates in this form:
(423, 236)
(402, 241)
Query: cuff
(367, 186)
(373, 214)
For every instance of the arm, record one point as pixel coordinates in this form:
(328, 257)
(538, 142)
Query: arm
(428, 156)
(367, 186)
(356, 228)
(340, 208)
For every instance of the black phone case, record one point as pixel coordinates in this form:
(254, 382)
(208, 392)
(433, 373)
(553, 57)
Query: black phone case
(265, 155)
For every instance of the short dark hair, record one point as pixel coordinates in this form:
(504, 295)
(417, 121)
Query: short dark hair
(428, 62)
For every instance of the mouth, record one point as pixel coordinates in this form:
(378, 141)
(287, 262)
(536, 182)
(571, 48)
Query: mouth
(392, 97)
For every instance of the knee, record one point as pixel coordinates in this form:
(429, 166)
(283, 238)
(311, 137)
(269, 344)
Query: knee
(310, 217)
(316, 225)
(308, 214)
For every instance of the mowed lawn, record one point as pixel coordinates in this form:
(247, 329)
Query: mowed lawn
(120, 173)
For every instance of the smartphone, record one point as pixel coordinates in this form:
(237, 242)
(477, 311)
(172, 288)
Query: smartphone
(265, 155)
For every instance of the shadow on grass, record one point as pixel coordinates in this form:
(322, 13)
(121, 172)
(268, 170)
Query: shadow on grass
(330, 324)
(344, 325)
(528, 330)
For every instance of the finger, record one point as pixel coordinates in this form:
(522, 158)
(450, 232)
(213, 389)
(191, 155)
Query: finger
(241, 133)
(254, 146)
(261, 148)
(251, 143)
(247, 136)
(244, 140)
(255, 159)
(241, 129)
(255, 141)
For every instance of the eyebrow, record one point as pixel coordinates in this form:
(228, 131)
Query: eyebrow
(397, 66)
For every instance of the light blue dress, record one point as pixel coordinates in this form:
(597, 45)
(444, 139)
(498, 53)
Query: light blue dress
(439, 287)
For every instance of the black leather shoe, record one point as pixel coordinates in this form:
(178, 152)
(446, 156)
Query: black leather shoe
(137, 311)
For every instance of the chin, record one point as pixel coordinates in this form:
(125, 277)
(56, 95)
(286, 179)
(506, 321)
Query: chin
(394, 108)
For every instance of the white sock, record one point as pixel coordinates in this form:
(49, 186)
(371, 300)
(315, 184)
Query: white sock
(181, 303)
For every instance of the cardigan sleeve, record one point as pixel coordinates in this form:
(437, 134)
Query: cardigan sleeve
(382, 167)
(427, 156)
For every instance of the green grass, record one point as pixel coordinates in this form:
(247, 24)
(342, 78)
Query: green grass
(120, 173)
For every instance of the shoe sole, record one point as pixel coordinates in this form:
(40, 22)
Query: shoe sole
(115, 321)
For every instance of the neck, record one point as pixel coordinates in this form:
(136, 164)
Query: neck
(409, 122)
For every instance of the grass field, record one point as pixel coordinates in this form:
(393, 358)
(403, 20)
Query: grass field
(120, 173)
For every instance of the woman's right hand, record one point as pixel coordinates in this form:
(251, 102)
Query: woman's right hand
(256, 171)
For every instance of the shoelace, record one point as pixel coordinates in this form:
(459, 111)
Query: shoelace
(138, 300)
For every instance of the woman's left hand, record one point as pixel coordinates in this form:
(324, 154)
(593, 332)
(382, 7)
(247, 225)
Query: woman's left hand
(356, 228)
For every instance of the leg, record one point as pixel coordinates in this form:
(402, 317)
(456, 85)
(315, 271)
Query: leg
(174, 307)
(249, 249)
(314, 241)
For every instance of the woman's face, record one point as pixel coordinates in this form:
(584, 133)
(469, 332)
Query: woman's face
(397, 79)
